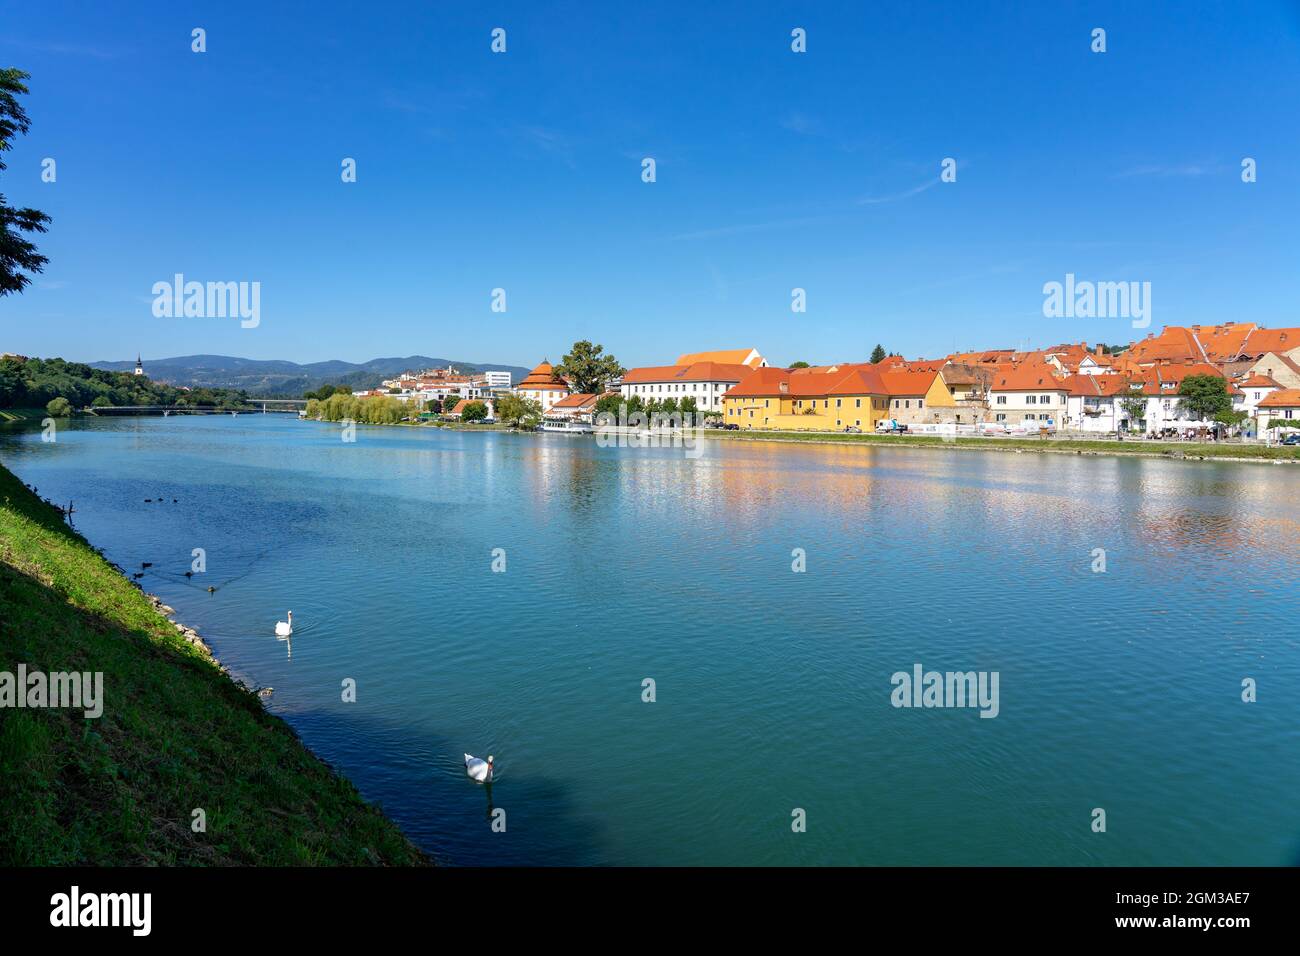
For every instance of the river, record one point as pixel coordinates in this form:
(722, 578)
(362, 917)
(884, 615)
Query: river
(1118, 689)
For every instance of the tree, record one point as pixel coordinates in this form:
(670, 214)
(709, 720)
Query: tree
(58, 408)
(878, 354)
(473, 412)
(1205, 396)
(587, 369)
(688, 405)
(799, 365)
(17, 254)
(609, 404)
(103, 401)
(518, 411)
(1134, 404)
(1232, 419)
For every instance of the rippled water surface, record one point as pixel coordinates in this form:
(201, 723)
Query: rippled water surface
(1119, 690)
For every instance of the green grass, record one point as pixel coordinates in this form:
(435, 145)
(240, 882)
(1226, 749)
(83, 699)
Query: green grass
(1071, 445)
(176, 733)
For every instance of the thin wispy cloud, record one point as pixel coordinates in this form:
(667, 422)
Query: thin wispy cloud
(1186, 169)
(549, 141)
(69, 49)
(750, 227)
(898, 197)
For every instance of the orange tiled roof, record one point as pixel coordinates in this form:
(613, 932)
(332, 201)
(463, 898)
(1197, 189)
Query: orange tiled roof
(1222, 343)
(723, 357)
(774, 382)
(1271, 340)
(1258, 381)
(577, 401)
(907, 382)
(1282, 398)
(1173, 344)
(543, 377)
(1027, 377)
(694, 372)
(1098, 385)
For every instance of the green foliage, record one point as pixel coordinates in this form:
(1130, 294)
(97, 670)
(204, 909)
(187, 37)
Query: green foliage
(474, 412)
(610, 404)
(805, 364)
(1233, 419)
(325, 391)
(33, 383)
(878, 354)
(1205, 396)
(18, 255)
(58, 408)
(371, 410)
(519, 411)
(587, 369)
(1134, 404)
(688, 405)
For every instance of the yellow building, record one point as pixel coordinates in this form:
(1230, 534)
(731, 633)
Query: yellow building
(850, 396)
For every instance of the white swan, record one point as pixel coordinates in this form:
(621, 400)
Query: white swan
(284, 628)
(478, 769)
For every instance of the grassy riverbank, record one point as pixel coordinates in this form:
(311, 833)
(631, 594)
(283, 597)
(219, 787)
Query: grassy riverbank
(1081, 446)
(176, 733)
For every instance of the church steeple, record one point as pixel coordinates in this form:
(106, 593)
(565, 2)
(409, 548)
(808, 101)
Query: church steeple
(139, 365)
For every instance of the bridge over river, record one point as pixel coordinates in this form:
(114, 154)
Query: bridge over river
(253, 406)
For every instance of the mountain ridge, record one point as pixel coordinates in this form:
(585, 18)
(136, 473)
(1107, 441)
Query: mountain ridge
(269, 377)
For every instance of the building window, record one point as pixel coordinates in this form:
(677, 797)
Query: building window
(1000, 417)
(857, 403)
(1044, 399)
(1031, 399)
(857, 421)
(837, 405)
(1002, 400)
(920, 403)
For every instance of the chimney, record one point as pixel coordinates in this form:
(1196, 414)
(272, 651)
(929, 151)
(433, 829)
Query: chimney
(1099, 350)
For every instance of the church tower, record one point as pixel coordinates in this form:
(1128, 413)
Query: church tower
(139, 366)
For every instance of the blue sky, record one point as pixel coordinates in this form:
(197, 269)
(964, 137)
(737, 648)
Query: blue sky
(775, 170)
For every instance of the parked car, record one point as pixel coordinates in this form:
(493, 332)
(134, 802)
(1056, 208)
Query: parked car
(731, 427)
(1292, 439)
(891, 426)
(852, 430)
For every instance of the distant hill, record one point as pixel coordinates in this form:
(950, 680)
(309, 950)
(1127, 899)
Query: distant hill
(274, 377)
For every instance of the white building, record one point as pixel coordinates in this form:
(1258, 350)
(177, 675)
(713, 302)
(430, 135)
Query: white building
(1029, 392)
(498, 379)
(705, 382)
(1094, 403)
(543, 386)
